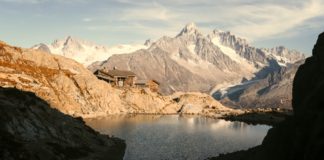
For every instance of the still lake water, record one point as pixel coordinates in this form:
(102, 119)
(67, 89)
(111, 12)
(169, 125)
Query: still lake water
(155, 137)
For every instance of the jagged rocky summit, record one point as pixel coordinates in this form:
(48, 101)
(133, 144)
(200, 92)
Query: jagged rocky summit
(68, 86)
(30, 129)
(301, 135)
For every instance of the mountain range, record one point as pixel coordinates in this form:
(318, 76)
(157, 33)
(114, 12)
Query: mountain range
(86, 52)
(191, 61)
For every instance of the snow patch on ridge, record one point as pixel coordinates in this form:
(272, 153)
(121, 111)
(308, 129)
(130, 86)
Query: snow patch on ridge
(228, 51)
(282, 61)
(191, 48)
(231, 53)
(229, 88)
(195, 64)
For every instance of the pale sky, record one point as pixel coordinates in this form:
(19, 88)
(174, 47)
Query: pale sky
(265, 23)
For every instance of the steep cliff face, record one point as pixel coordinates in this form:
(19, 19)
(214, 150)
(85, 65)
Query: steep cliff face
(300, 136)
(30, 129)
(72, 89)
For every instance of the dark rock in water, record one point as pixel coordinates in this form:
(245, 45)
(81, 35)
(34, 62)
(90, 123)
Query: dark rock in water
(269, 116)
(300, 136)
(30, 129)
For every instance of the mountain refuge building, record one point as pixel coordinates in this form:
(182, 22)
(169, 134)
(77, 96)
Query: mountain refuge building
(119, 78)
(124, 78)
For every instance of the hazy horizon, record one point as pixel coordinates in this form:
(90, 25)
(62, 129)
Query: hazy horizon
(270, 23)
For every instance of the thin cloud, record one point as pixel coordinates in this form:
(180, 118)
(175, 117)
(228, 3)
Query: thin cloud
(43, 1)
(87, 19)
(252, 19)
(257, 20)
(22, 1)
(273, 20)
(154, 12)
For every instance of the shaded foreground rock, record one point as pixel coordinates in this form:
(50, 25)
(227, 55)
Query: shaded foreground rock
(301, 135)
(31, 129)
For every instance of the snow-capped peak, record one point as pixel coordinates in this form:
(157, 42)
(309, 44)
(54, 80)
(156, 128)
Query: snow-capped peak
(69, 41)
(191, 26)
(189, 29)
(148, 43)
(227, 38)
(283, 55)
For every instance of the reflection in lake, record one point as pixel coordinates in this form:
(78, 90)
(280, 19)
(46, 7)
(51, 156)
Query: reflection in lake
(178, 137)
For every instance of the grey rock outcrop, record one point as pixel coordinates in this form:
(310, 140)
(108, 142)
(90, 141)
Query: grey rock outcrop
(42, 47)
(30, 129)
